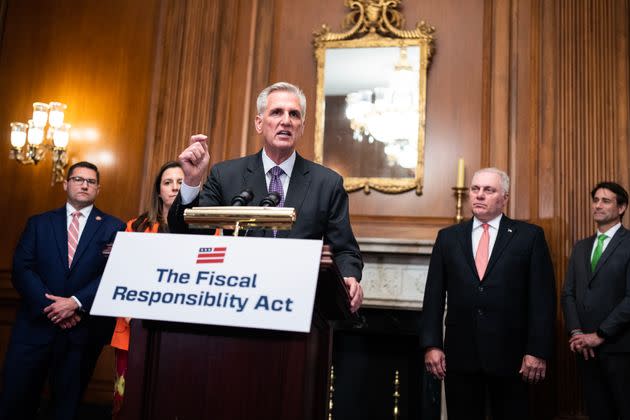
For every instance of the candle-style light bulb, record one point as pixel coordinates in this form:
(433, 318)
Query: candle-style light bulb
(61, 136)
(18, 134)
(460, 173)
(57, 110)
(40, 114)
(35, 133)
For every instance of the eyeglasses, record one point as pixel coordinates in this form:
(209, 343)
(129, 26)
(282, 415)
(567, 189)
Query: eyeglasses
(79, 180)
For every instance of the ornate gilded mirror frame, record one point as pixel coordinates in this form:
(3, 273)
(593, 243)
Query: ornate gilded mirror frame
(375, 23)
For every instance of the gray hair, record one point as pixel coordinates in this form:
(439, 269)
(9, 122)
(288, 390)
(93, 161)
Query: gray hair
(505, 179)
(261, 102)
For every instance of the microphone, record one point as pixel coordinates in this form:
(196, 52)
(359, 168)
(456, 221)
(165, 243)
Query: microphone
(243, 198)
(271, 200)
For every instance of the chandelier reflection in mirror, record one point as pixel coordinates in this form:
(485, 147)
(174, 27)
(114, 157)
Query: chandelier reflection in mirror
(45, 131)
(389, 114)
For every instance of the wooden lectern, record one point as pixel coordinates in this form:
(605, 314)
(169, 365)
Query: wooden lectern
(188, 371)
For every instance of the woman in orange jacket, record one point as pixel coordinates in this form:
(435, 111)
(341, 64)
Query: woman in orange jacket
(154, 220)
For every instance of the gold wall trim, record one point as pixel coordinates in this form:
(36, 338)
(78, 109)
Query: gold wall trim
(375, 23)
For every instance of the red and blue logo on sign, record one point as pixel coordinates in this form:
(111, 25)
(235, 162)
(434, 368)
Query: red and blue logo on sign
(211, 255)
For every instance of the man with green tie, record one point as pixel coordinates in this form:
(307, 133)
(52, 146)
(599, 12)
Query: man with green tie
(596, 304)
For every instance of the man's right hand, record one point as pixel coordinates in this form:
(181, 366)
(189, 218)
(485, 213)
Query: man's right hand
(195, 160)
(435, 362)
(584, 344)
(70, 322)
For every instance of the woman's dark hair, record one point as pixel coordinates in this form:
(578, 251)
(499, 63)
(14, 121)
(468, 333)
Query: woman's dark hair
(154, 213)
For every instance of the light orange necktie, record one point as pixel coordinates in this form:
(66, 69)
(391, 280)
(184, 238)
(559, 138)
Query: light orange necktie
(73, 236)
(481, 257)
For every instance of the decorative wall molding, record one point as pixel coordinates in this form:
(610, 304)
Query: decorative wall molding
(395, 272)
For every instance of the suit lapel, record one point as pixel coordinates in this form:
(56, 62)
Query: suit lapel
(612, 245)
(93, 224)
(506, 232)
(586, 255)
(298, 186)
(464, 235)
(255, 179)
(60, 228)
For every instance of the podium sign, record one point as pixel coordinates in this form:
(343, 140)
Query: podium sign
(266, 283)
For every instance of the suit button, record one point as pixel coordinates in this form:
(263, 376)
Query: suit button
(480, 311)
(481, 288)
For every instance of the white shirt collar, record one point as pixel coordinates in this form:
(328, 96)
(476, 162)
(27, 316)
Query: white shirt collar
(287, 165)
(494, 223)
(610, 232)
(85, 211)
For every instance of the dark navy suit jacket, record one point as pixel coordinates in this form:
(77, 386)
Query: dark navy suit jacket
(40, 265)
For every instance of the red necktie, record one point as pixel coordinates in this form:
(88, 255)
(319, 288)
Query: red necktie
(481, 258)
(73, 236)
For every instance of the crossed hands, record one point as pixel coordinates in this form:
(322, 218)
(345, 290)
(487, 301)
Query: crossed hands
(62, 312)
(532, 370)
(195, 159)
(584, 344)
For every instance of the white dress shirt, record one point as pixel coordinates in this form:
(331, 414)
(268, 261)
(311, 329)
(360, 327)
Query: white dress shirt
(477, 230)
(189, 193)
(609, 233)
(85, 213)
(287, 167)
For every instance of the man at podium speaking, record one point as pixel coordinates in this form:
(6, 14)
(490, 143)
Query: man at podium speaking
(315, 192)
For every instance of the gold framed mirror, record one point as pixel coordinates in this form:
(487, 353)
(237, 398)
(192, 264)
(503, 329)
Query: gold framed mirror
(371, 98)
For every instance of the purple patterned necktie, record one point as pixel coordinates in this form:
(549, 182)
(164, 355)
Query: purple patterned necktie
(276, 185)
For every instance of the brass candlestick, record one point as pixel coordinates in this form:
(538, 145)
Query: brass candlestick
(331, 391)
(460, 192)
(396, 394)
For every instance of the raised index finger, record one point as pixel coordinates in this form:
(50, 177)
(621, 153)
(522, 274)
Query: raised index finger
(201, 138)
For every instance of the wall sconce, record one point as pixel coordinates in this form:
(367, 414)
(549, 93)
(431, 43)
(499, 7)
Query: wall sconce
(46, 124)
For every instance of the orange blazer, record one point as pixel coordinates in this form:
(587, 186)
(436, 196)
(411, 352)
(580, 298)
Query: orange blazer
(122, 332)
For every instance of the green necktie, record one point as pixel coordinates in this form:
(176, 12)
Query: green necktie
(598, 251)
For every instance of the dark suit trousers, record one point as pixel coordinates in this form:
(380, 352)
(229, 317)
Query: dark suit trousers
(606, 385)
(26, 367)
(469, 394)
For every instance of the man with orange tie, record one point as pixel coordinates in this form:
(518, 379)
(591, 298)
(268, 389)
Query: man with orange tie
(57, 267)
(497, 276)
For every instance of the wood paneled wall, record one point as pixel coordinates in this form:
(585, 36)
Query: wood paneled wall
(97, 57)
(539, 88)
(590, 131)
